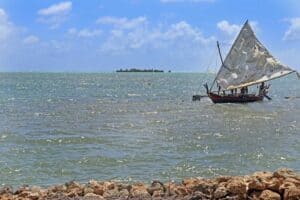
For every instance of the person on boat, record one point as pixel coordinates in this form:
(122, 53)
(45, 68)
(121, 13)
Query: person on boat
(232, 92)
(235, 91)
(219, 89)
(246, 90)
(242, 91)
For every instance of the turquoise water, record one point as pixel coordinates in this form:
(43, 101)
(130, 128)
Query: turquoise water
(138, 127)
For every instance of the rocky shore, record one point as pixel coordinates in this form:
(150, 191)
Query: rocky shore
(281, 184)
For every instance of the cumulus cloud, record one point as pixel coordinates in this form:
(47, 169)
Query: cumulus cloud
(233, 29)
(136, 33)
(293, 32)
(6, 26)
(55, 14)
(87, 33)
(122, 22)
(230, 29)
(31, 39)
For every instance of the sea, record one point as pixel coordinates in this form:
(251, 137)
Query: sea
(133, 127)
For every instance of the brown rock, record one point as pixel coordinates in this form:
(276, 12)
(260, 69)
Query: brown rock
(110, 194)
(139, 191)
(124, 193)
(286, 173)
(222, 179)
(6, 190)
(156, 186)
(238, 187)
(58, 188)
(88, 190)
(109, 185)
(97, 187)
(220, 192)
(286, 186)
(263, 175)
(92, 196)
(157, 194)
(256, 184)
(292, 193)
(274, 184)
(34, 196)
(269, 195)
(181, 191)
(254, 195)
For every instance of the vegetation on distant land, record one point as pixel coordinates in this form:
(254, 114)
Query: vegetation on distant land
(139, 70)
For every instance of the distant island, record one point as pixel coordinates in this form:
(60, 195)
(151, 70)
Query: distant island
(140, 70)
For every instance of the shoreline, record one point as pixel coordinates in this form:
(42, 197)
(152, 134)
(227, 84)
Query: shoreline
(281, 184)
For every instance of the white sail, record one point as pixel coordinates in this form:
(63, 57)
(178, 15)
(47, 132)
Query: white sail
(249, 62)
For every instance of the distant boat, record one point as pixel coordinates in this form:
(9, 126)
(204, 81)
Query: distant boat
(247, 63)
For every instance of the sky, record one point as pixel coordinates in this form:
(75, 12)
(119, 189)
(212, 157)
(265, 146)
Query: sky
(105, 35)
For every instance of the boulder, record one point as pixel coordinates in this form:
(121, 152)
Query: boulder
(269, 195)
(256, 184)
(92, 196)
(139, 190)
(156, 186)
(181, 191)
(220, 192)
(285, 173)
(237, 186)
(292, 193)
(111, 194)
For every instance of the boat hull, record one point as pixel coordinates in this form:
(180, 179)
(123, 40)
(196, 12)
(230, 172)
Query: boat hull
(246, 98)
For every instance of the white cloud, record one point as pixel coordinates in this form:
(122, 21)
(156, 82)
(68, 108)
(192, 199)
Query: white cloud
(6, 27)
(85, 32)
(123, 22)
(57, 9)
(233, 29)
(55, 14)
(293, 32)
(32, 39)
(229, 29)
(185, 1)
(142, 35)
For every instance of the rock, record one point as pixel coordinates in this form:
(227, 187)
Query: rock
(285, 173)
(34, 196)
(139, 191)
(254, 195)
(123, 193)
(88, 190)
(256, 184)
(92, 196)
(269, 195)
(6, 190)
(97, 187)
(111, 194)
(274, 184)
(157, 194)
(237, 186)
(109, 185)
(58, 188)
(181, 191)
(222, 179)
(203, 185)
(220, 192)
(292, 193)
(286, 186)
(156, 186)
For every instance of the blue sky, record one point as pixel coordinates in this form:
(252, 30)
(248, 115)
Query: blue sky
(105, 35)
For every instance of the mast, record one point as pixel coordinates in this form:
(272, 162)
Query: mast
(218, 45)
